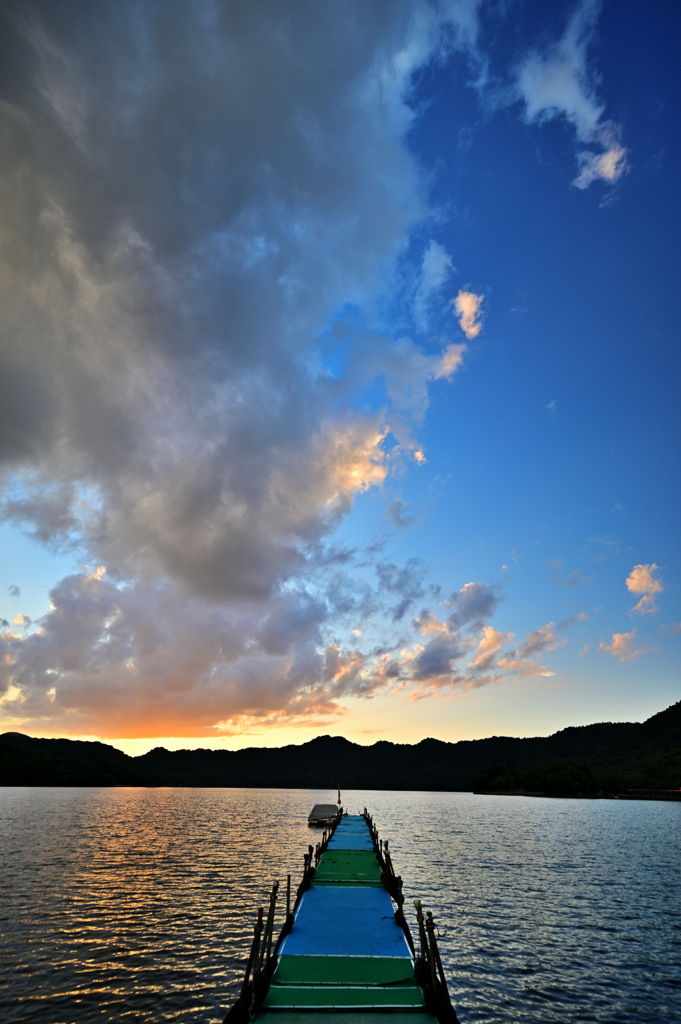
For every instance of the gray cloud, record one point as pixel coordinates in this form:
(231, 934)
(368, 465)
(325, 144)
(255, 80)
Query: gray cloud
(44, 512)
(190, 170)
(161, 305)
(435, 269)
(436, 658)
(538, 640)
(577, 578)
(173, 177)
(474, 603)
(407, 582)
(570, 619)
(123, 660)
(398, 513)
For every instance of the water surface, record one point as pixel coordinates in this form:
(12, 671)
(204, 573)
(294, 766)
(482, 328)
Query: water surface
(138, 905)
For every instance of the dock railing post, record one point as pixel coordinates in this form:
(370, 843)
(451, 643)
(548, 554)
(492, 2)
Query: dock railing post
(422, 931)
(430, 927)
(270, 921)
(253, 956)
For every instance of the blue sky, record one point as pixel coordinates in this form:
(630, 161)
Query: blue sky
(341, 370)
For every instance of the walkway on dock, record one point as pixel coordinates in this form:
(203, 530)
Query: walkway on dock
(345, 952)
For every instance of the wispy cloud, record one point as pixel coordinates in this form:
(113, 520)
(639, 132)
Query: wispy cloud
(406, 583)
(436, 267)
(571, 619)
(521, 661)
(608, 166)
(610, 547)
(458, 654)
(542, 639)
(449, 362)
(559, 82)
(398, 514)
(623, 647)
(575, 578)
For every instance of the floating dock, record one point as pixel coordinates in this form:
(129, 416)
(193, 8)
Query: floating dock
(346, 950)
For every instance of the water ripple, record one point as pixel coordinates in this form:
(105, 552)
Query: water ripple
(139, 904)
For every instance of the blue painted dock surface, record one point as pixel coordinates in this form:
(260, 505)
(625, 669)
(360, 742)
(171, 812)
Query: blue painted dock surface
(351, 841)
(346, 922)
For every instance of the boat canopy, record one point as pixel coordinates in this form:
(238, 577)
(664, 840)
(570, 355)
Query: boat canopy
(322, 812)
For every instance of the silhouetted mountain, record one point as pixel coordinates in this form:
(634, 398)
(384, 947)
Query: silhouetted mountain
(618, 755)
(27, 761)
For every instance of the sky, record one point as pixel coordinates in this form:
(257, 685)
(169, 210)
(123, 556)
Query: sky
(339, 354)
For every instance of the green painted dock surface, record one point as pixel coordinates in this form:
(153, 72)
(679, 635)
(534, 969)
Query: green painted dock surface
(345, 954)
(348, 867)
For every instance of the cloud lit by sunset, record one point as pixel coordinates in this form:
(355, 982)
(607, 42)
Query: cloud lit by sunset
(467, 306)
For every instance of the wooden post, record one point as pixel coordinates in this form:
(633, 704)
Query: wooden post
(436, 955)
(270, 922)
(422, 931)
(253, 954)
(431, 929)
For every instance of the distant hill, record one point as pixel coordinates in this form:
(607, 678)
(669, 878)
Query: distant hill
(27, 761)
(619, 755)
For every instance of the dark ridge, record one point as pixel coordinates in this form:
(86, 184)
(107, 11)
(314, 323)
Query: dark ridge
(616, 756)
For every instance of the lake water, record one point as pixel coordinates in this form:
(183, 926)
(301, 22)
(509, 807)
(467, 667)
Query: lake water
(138, 904)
